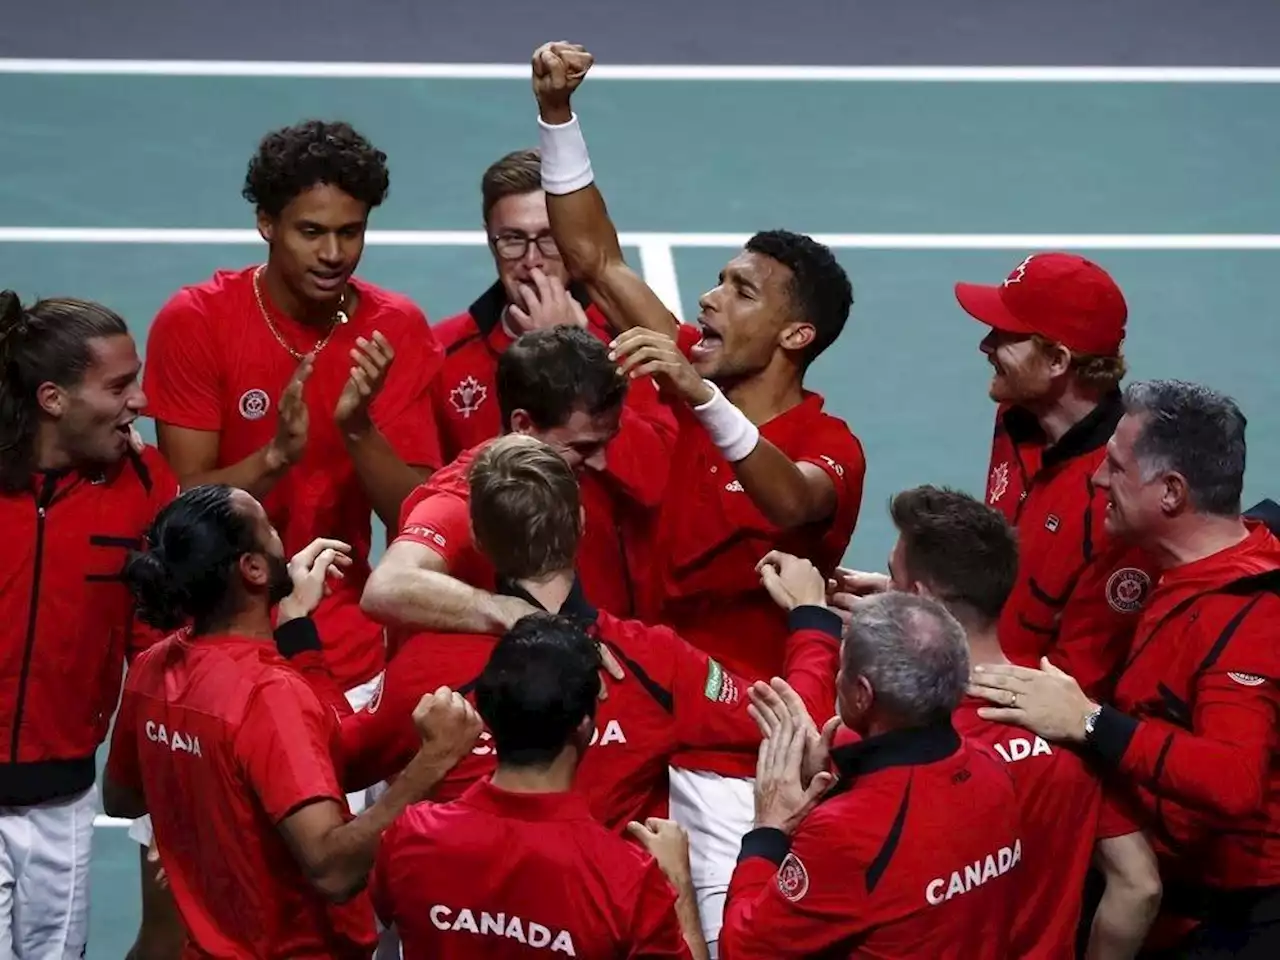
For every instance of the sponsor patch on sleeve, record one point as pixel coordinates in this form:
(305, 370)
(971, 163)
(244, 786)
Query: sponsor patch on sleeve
(719, 687)
(1246, 679)
(424, 534)
(793, 878)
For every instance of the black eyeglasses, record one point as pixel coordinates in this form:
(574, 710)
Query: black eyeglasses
(513, 246)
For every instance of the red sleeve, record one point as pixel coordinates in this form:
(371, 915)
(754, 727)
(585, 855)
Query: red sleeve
(838, 454)
(655, 928)
(443, 523)
(403, 410)
(1116, 818)
(637, 460)
(123, 765)
(180, 375)
(811, 659)
(1101, 614)
(795, 901)
(1222, 763)
(284, 748)
(378, 741)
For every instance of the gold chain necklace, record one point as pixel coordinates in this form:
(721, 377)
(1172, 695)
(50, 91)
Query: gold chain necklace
(339, 317)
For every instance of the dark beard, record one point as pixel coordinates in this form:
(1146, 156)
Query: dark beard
(281, 584)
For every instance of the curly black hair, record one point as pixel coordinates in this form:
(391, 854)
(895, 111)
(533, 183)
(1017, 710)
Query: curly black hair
(297, 158)
(819, 286)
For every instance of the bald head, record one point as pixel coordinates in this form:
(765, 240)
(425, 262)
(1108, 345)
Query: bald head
(912, 653)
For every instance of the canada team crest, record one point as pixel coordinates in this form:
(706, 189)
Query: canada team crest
(467, 396)
(998, 482)
(793, 878)
(1127, 589)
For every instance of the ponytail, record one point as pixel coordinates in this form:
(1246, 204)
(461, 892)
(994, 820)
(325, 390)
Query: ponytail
(45, 343)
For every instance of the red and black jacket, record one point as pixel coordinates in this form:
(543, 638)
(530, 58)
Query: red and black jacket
(1079, 592)
(66, 619)
(1192, 735)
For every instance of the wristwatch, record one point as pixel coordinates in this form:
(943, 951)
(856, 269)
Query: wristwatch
(1091, 721)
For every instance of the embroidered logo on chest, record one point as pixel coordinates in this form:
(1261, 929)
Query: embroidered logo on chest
(998, 484)
(1127, 590)
(467, 396)
(254, 404)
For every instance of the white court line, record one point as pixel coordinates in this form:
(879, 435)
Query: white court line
(659, 269)
(520, 71)
(653, 241)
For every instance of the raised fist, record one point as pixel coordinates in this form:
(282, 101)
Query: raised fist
(558, 69)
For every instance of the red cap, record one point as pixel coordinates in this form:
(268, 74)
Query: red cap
(1060, 296)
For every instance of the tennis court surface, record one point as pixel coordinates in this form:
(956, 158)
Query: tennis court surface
(121, 184)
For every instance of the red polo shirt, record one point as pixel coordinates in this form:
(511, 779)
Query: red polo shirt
(225, 740)
(916, 852)
(1063, 814)
(213, 363)
(503, 875)
(1079, 592)
(710, 536)
(674, 698)
(1193, 732)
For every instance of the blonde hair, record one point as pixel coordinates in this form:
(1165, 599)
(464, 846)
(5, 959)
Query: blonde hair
(525, 507)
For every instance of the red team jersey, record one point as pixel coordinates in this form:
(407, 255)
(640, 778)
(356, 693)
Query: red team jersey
(673, 698)
(915, 852)
(1079, 593)
(214, 364)
(225, 740)
(1194, 731)
(710, 536)
(1055, 788)
(511, 875)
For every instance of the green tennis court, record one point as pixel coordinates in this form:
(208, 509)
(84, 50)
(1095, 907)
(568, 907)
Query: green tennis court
(1169, 185)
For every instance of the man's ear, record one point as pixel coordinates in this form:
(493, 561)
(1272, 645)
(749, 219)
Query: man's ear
(521, 422)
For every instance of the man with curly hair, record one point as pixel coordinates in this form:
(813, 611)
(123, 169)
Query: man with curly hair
(279, 378)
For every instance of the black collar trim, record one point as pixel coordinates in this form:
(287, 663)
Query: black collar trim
(576, 606)
(488, 308)
(900, 748)
(1088, 435)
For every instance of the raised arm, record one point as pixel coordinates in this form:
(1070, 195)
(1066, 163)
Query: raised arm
(580, 223)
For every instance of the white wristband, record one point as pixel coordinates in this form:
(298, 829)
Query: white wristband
(730, 429)
(566, 165)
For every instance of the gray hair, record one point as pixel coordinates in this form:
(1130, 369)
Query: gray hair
(914, 654)
(1193, 431)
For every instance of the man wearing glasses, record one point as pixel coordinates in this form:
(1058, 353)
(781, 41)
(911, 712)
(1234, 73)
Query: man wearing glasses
(532, 292)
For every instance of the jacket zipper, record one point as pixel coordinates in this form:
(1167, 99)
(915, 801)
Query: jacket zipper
(42, 504)
(626, 570)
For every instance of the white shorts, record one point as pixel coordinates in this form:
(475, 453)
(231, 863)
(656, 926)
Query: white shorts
(140, 829)
(716, 812)
(44, 878)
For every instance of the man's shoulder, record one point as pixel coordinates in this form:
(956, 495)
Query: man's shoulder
(389, 306)
(457, 331)
(198, 299)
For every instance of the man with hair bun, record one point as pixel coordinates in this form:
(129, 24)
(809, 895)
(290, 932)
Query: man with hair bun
(77, 490)
(1190, 735)
(1057, 325)
(233, 751)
